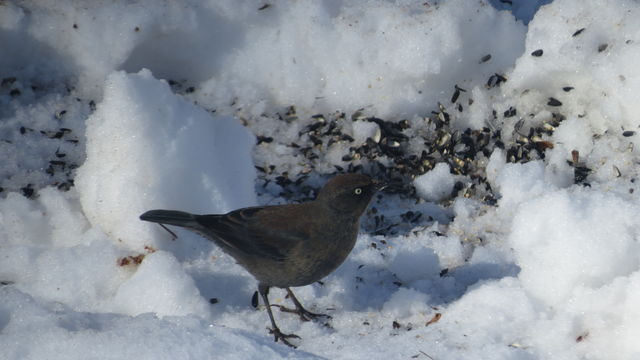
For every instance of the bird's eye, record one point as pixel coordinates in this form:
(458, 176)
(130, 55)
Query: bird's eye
(357, 191)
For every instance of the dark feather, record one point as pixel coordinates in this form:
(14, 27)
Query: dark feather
(244, 231)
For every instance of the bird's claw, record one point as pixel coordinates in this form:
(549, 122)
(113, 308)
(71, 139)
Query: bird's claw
(305, 315)
(279, 335)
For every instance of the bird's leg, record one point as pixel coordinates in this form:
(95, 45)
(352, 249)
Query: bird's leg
(305, 315)
(275, 330)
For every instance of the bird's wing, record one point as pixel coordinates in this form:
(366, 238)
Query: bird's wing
(263, 231)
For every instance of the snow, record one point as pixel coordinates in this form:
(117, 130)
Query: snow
(149, 134)
(160, 276)
(362, 130)
(329, 56)
(110, 109)
(437, 184)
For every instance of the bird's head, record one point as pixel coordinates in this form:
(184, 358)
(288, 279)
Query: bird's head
(348, 194)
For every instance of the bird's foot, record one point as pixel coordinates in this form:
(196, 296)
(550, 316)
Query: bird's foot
(279, 335)
(305, 315)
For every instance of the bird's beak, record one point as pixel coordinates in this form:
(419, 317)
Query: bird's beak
(379, 184)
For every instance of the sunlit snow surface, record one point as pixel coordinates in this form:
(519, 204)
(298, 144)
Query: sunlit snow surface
(108, 109)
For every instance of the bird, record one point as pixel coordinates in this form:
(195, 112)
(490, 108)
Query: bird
(287, 245)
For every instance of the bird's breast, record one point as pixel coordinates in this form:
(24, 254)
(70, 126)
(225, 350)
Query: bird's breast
(310, 260)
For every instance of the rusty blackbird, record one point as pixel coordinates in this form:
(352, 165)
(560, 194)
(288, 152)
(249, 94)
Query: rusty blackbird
(286, 245)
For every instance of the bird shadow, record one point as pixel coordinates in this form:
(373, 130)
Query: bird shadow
(216, 275)
(467, 276)
(369, 287)
(224, 289)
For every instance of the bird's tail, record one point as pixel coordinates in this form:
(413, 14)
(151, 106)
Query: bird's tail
(171, 217)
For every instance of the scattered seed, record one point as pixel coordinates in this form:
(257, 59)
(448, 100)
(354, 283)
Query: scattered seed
(510, 112)
(436, 317)
(580, 174)
(554, 102)
(616, 171)
(455, 96)
(8, 81)
(60, 114)
(28, 191)
(495, 80)
(263, 139)
(358, 115)
(578, 32)
(346, 137)
(582, 337)
(575, 157)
